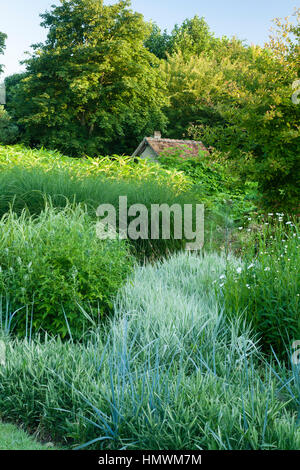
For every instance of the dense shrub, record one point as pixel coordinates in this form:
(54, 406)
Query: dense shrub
(213, 181)
(8, 130)
(266, 288)
(52, 264)
(169, 373)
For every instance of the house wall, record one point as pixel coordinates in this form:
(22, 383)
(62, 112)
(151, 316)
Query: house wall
(149, 153)
(2, 94)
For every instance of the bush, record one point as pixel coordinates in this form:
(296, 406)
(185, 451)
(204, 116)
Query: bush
(213, 181)
(168, 373)
(8, 131)
(265, 290)
(52, 264)
(28, 188)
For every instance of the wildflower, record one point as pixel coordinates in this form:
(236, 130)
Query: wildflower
(251, 266)
(267, 269)
(223, 276)
(271, 214)
(222, 285)
(239, 270)
(240, 228)
(288, 223)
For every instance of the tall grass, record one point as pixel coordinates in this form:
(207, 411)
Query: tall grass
(168, 373)
(115, 167)
(30, 189)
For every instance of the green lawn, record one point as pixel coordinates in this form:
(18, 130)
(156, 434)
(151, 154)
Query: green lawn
(12, 438)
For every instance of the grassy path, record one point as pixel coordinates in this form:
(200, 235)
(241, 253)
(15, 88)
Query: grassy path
(12, 438)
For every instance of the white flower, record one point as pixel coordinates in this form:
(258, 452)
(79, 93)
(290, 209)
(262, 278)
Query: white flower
(223, 276)
(288, 223)
(221, 285)
(267, 269)
(239, 270)
(240, 228)
(251, 266)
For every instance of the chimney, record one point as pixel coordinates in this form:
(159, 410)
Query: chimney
(157, 135)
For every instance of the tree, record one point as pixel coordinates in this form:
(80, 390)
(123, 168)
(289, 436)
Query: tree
(2, 47)
(159, 43)
(11, 84)
(91, 87)
(285, 40)
(260, 130)
(191, 38)
(8, 130)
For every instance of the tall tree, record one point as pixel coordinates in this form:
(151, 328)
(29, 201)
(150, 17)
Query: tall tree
(193, 37)
(2, 47)
(190, 38)
(91, 87)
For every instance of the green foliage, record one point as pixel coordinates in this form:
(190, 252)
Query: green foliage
(265, 290)
(92, 86)
(52, 264)
(196, 87)
(159, 43)
(191, 38)
(258, 125)
(9, 132)
(115, 167)
(159, 383)
(213, 183)
(11, 83)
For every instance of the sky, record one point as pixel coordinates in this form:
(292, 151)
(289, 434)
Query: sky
(249, 20)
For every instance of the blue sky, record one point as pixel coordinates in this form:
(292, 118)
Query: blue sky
(247, 19)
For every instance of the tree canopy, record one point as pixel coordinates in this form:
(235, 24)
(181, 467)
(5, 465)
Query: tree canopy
(2, 47)
(92, 87)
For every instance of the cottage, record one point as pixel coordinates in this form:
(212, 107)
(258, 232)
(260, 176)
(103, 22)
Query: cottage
(152, 147)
